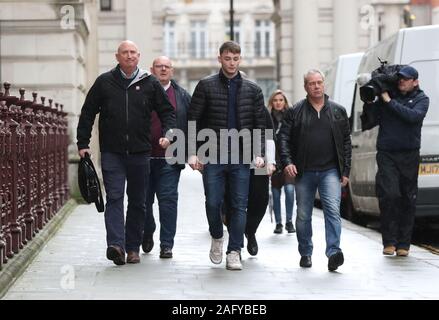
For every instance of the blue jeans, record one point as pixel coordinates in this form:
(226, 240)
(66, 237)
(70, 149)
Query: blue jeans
(289, 202)
(214, 178)
(163, 182)
(116, 169)
(328, 184)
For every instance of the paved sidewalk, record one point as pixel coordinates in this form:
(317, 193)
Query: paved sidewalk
(73, 264)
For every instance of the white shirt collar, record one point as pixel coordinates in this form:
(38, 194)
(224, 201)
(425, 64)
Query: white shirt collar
(166, 87)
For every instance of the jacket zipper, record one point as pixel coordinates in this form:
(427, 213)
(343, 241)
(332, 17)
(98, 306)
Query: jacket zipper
(126, 109)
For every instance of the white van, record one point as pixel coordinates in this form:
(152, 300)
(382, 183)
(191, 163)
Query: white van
(340, 78)
(418, 47)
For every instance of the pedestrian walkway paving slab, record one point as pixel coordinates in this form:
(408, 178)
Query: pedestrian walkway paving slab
(73, 264)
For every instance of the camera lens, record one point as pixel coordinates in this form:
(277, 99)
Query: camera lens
(367, 93)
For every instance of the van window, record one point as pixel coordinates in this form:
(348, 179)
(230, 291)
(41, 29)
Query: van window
(385, 50)
(429, 82)
(357, 110)
(330, 75)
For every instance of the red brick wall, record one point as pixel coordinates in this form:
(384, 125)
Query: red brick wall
(433, 3)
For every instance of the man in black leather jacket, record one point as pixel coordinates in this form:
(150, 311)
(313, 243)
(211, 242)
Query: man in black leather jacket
(400, 121)
(315, 149)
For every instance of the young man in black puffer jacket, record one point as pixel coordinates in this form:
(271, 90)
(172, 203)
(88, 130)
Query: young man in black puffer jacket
(227, 102)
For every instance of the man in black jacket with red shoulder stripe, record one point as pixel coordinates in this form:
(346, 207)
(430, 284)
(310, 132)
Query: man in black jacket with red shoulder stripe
(124, 98)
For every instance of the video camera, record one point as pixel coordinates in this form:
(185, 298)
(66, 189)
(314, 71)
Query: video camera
(383, 79)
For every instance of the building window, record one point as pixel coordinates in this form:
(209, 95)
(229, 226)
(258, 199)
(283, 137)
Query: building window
(105, 5)
(170, 41)
(199, 40)
(236, 31)
(263, 38)
(267, 86)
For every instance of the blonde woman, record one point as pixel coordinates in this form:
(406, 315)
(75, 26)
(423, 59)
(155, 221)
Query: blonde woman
(278, 105)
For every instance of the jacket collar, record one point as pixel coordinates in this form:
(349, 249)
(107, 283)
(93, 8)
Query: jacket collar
(324, 106)
(413, 93)
(175, 85)
(224, 79)
(142, 74)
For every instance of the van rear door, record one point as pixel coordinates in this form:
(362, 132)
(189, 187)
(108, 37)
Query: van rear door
(422, 52)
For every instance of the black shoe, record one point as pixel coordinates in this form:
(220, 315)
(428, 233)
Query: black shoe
(306, 262)
(148, 243)
(166, 253)
(116, 254)
(335, 261)
(278, 229)
(252, 245)
(290, 227)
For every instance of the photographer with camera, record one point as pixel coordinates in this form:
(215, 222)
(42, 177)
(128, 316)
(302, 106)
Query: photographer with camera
(400, 115)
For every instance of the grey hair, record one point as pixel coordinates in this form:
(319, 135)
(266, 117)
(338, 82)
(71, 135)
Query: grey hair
(310, 72)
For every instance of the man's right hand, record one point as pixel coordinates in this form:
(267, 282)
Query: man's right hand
(195, 163)
(82, 152)
(291, 170)
(271, 168)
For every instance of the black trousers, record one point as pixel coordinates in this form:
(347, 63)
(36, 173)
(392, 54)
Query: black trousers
(257, 202)
(397, 189)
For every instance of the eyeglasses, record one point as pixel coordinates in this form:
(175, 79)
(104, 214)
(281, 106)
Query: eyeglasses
(161, 66)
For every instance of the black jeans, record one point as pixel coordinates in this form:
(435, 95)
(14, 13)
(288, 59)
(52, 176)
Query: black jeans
(397, 189)
(257, 202)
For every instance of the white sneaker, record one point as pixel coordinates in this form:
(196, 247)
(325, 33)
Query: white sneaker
(216, 250)
(233, 261)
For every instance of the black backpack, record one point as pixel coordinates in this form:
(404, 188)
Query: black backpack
(89, 184)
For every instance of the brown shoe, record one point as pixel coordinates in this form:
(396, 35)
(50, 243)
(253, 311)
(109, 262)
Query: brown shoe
(133, 257)
(402, 253)
(116, 254)
(389, 250)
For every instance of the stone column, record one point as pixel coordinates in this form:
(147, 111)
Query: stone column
(391, 20)
(216, 25)
(345, 32)
(283, 21)
(183, 36)
(305, 42)
(139, 28)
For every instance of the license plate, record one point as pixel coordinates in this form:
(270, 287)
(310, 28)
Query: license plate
(426, 169)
